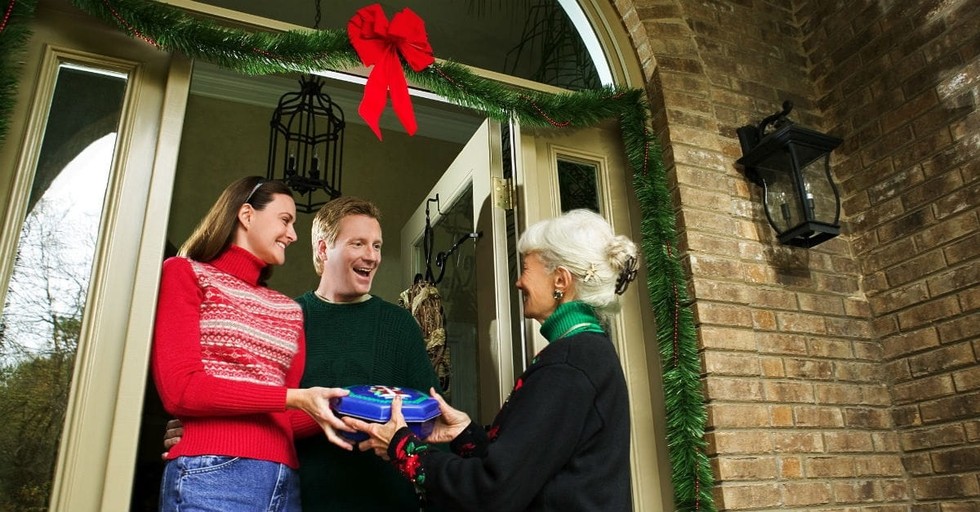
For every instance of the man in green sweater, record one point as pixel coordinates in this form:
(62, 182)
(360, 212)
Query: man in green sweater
(353, 338)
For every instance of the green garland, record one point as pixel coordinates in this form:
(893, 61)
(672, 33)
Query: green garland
(257, 53)
(14, 32)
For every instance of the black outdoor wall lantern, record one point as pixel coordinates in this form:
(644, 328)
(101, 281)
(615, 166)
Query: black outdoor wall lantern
(792, 165)
(306, 144)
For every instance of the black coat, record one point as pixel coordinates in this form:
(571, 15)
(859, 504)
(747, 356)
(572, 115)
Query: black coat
(561, 441)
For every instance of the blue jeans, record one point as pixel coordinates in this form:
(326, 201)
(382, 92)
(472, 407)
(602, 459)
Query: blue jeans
(219, 483)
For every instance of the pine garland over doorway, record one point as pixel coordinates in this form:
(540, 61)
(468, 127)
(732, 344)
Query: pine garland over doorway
(14, 32)
(257, 53)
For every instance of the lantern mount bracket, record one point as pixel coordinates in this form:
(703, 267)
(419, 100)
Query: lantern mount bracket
(777, 120)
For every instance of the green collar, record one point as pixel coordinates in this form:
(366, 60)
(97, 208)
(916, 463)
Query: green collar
(570, 318)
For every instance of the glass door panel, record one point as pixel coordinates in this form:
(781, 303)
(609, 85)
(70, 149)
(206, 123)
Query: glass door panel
(456, 283)
(578, 184)
(475, 283)
(44, 308)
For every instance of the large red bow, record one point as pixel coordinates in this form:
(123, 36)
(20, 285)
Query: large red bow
(378, 43)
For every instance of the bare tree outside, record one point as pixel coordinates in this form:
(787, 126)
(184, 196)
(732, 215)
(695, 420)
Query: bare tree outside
(40, 328)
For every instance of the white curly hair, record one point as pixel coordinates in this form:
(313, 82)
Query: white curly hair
(601, 262)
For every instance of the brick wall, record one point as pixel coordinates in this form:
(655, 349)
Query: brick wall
(843, 376)
(900, 81)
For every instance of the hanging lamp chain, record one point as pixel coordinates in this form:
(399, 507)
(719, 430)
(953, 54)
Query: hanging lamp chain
(295, 150)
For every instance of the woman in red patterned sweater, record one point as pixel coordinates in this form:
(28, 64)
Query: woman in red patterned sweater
(228, 354)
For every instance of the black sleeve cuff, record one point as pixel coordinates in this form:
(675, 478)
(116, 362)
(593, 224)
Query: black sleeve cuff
(404, 451)
(399, 440)
(471, 442)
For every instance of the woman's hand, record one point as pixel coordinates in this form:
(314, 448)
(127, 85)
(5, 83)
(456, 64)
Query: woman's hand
(449, 424)
(380, 433)
(316, 402)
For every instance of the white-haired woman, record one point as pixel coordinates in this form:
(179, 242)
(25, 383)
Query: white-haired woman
(561, 440)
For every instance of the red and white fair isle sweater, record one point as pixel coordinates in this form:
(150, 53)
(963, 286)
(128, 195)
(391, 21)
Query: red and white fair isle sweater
(224, 352)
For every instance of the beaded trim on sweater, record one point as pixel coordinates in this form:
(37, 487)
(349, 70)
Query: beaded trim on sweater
(248, 333)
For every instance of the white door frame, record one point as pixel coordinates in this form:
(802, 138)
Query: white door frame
(99, 436)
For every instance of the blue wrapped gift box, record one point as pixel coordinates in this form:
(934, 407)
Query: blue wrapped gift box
(373, 403)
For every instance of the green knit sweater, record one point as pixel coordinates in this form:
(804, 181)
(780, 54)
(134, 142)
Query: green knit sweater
(370, 342)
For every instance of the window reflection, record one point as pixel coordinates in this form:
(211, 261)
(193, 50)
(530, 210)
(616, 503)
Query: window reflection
(43, 313)
(550, 50)
(578, 186)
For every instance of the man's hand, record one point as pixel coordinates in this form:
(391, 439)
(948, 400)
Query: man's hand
(171, 436)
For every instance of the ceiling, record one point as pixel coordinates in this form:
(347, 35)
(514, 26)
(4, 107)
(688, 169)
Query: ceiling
(436, 119)
(476, 32)
(530, 39)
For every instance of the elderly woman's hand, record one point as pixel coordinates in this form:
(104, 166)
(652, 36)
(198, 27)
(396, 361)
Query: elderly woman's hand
(380, 434)
(449, 424)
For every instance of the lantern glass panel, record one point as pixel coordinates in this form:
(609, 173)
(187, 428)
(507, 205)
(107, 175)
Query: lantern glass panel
(821, 196)
(781, 198)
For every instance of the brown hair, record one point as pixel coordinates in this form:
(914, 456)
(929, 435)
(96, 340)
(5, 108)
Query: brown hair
(217, 229)
(326, 222)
